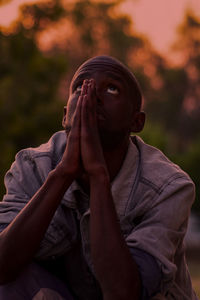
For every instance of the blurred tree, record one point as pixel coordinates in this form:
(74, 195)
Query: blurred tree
(189, 162)
(29, 105)
(32, 71)
(2, 2)
(188, 45)
(91, 28)
(176, 103)
(46, 45)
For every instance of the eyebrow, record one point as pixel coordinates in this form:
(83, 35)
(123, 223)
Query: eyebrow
(81, 77)
(86, 75)
(114, 76)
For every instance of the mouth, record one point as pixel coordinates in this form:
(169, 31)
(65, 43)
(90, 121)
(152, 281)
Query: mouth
(101, 117)
(67, 129)
(101, 114)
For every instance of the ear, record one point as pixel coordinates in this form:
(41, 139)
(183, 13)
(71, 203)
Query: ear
(138, 121)
(64, 116)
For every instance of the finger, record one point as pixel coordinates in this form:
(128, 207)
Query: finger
(85, 110)
(73, 142)
(92, 89)
(92, 101)
(77, 113)
(76, 123)
(88, 111)
(84, 87)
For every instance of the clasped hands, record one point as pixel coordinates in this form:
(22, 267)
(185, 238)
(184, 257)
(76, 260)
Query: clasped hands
(83, 151)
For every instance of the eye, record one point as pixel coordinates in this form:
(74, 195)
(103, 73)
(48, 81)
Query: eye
(113, 90)
(78, 88)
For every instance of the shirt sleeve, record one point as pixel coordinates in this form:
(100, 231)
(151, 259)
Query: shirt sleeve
(162, 227)
(22, 181)
(150, 272)
(20, 184)
(2, 227)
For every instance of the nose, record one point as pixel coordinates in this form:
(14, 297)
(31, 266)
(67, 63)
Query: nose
(98, 95)
(99, 101)
(98, 87)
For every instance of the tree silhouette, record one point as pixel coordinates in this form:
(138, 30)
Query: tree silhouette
(33, 79)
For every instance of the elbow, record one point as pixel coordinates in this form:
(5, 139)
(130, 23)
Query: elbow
(6, 274)
(122, 292)
(4, 280)
(4, 277)
(119, 296)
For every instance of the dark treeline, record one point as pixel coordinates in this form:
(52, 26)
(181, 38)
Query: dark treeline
(39, 54)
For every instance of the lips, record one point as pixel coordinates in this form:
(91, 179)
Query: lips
(101, 117)
(101, 114)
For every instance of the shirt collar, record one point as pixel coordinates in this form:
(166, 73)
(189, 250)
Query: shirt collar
(120, 187)
(122, 184)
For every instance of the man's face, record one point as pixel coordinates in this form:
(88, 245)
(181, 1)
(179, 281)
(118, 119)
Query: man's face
(115, 108)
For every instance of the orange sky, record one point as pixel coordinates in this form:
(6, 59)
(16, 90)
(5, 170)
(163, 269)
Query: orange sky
(157, 18)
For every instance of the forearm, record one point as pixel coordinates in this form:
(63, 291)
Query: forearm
(20, 240)
(114, 267)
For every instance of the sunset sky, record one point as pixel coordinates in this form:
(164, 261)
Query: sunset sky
(156, 18)
(159, 18)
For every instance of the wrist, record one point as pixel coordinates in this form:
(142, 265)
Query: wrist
(62, 174)
(100, 176)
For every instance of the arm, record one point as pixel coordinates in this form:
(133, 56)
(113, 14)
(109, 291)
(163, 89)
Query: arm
(114, 266)
(20, 240)
(162, 228)
(113, 263)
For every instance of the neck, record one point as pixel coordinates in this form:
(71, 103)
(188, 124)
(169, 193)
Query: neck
(114, 158)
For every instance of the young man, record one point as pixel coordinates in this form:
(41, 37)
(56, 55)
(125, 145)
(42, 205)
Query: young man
(103, 216)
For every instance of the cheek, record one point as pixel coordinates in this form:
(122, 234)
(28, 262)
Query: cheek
(124, 118)
(71, 107)
(123, 112)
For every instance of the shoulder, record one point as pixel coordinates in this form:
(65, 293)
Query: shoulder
(159, 179)
(156, 168)
(53, 149)
(32, 165)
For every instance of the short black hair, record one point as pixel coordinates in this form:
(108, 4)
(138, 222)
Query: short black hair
(109, 61)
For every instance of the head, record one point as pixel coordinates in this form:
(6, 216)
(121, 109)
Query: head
(118, 97)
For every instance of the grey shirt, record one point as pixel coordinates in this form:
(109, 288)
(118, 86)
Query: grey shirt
(152, 198)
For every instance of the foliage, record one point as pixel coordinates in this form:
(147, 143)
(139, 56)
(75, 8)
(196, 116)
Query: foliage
(52, 38)
(29, 102)
(31, 80)
(154, 134)
(188, 159)
(174, 106)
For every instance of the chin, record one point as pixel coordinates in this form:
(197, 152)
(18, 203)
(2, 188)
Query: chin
(67, 130)
(110, 140)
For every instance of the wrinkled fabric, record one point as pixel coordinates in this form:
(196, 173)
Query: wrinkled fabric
(153, 206)
(47, 294)
(149, 271)
(35, 283)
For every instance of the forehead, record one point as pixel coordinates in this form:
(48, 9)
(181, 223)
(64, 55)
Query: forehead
(100, 70)
(103, 75)
(107, 65)
(103, 65)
